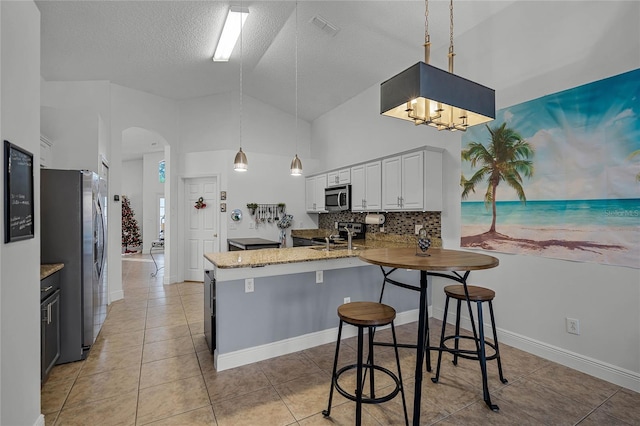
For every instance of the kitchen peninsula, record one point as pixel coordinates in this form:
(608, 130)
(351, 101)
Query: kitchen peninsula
(271, 302)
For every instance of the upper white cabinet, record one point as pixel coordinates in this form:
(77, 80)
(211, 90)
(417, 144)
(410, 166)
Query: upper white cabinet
(412, 181)
(366, 181)
(432, 180)
(314, 193)
(339, 177)
(408, 181)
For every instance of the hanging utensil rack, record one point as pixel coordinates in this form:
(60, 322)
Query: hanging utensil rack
(267, 213)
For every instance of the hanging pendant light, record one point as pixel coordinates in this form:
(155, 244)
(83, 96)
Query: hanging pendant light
(240, 163)
(296, 164)
(428, 95)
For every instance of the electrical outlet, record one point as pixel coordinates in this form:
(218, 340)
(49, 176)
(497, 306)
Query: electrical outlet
(382, 229)
(335, 225)
(573, 326)
(251, 225)
(248, 285)
(347, 300)
(417, 229)
(319, 277)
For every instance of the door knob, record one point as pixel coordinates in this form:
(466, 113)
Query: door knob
(215, 235)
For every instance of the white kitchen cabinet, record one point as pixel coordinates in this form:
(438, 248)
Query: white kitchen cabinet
(314, 193)
(339, 177)
(366, 181)
(412, 181)
(391, 183)
(432, 180)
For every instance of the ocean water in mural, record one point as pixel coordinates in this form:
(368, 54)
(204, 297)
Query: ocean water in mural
(623, 213)
(583, 198)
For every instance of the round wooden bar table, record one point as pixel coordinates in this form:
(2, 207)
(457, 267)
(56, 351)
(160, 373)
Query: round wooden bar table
(440, 263)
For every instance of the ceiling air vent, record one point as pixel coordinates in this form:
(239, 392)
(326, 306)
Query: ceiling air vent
(325, 25)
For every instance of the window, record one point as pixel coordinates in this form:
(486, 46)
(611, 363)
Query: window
(161, 216)
(161, 171)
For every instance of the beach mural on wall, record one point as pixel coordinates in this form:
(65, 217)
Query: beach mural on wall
(558, 176)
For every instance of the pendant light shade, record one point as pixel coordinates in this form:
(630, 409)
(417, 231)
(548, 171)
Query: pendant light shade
(240, 163)
(428, 95)
(424, 94)
(296, 166)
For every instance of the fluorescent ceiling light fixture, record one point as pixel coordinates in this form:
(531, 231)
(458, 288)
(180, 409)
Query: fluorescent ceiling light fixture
(230, 33)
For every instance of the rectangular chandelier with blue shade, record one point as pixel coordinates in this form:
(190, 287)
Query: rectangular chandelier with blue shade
(428, 95)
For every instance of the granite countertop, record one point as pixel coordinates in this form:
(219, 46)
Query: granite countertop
(264, 257)
(310, 233)
(49, 269)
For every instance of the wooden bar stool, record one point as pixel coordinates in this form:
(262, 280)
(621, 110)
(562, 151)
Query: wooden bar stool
(478, 295)
(366, 315)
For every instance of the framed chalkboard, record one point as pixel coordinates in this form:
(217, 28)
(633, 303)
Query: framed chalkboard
(18, 193)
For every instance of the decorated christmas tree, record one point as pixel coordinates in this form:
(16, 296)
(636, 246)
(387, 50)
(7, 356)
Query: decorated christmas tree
(130, 229)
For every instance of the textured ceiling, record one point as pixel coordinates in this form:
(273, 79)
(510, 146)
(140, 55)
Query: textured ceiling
(165, 47)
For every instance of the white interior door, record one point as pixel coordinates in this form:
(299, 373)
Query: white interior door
(201, 229)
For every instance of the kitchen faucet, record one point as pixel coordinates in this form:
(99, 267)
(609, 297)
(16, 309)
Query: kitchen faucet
(350, 234)
(329, 238)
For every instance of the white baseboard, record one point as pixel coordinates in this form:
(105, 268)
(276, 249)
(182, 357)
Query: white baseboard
(294, 344)
(600, 369)
(169, 280)
(116, 295)
(39, 420)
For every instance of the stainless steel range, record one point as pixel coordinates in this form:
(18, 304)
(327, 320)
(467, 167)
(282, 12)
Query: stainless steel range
(358, 230)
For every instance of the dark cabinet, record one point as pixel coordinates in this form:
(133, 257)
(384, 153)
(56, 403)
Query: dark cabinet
(236, 244)
(301, 242)
(49, 333)
(210, 309)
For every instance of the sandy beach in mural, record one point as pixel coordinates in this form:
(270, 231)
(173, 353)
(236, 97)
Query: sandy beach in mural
(614, 246)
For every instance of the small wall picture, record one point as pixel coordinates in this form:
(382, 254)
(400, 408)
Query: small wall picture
(223, 207)
(223, 195)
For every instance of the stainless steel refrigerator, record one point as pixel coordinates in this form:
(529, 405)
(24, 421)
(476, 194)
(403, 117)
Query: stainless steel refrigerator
(74, 232)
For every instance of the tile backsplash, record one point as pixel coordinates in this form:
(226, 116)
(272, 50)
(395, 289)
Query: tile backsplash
(400, 223)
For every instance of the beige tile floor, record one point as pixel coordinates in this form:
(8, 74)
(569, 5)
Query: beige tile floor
(150, 365)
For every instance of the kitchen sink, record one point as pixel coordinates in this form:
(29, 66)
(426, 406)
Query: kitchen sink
(332, 247)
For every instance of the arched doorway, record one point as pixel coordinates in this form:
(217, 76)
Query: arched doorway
(145, 183)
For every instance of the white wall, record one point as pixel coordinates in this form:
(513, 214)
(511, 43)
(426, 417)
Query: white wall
(267, 181)
(582, 42)
(74, 135)
(213, 123)
(20, 261)
(152, 188)
(75, 116)
(209, 132)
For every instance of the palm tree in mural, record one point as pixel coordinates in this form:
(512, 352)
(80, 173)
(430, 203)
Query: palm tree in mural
(506, 158)
(634, 154)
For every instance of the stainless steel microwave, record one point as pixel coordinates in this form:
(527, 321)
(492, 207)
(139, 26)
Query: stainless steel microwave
(337, 198)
